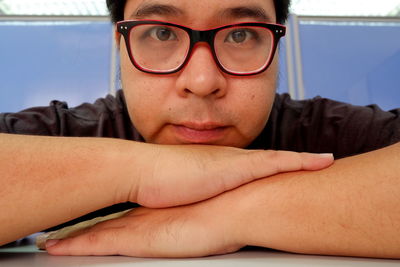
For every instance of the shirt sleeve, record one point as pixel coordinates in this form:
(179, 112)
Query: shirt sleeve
(107, 117)
(321, 125)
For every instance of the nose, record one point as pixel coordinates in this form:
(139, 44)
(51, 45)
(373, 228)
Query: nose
(201, 76)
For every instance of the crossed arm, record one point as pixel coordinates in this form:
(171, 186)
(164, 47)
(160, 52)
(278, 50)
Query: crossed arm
(46, 181)
(351, 208)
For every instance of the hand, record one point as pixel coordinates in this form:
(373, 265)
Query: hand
(188, 231)
(179, 175)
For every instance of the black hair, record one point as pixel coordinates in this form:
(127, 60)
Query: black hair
(116, 9)
(281, 10)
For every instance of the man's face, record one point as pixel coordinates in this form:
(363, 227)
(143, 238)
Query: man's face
(199, 104)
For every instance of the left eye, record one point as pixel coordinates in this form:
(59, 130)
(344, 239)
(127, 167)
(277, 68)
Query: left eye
(239, 36)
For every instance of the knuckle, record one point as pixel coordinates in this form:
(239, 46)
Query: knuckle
(304, 159)
(271, 157)
(285, 160)
(260, 156)
(277, 160)
(92, 238)
(261, 163)
(273, 154)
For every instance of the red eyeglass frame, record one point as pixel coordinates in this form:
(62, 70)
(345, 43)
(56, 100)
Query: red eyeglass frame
(207, 36)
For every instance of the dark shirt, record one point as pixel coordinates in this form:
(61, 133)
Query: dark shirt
(316, 125)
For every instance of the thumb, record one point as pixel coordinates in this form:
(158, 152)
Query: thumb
(103, 242)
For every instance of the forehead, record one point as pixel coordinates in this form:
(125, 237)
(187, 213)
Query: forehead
(201, 12)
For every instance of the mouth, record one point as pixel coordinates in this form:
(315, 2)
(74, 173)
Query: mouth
(198, 133)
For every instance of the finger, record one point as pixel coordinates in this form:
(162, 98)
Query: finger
(270, 162)
(229, 173)
(113, 241)
(263, 163)
(100, 242)
(104, 238)
(313, 162)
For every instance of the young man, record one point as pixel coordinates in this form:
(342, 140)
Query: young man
(197, 97)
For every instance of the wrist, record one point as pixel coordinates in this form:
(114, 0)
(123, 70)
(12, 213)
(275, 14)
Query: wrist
(128, 163)
(252, 207)
(231, 215)
(275, 208)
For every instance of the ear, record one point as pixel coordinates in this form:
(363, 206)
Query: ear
(117, 37)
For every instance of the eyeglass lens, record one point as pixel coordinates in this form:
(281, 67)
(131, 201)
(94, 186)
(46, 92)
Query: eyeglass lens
(243, 49)
(239, 49)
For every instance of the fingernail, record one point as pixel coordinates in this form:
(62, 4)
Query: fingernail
(51, 242)
(326, 155)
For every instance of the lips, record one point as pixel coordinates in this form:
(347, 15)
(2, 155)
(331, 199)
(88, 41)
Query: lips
(199, 132)
(201, 126)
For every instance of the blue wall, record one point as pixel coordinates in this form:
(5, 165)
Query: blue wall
(43, 61)
(356, 63)
(70, 61)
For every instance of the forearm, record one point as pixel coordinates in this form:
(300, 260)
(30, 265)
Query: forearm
(351, 208)
(46, 180)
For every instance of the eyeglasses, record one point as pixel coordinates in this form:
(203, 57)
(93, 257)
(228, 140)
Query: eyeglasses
(164, 48)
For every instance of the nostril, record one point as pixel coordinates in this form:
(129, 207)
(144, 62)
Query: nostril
(187, 91)
(216, 91)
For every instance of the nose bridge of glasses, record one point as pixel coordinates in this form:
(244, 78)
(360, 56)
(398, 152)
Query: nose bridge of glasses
(202, 36)
(205, 37)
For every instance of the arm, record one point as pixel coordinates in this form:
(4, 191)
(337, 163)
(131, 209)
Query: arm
(49, 180)
(46, 181)
(351, 208)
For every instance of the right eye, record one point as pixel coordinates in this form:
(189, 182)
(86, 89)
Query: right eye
(162, 34)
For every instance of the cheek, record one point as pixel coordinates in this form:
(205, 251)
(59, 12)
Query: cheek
(255, 103)
(144, 97)
(256, 111)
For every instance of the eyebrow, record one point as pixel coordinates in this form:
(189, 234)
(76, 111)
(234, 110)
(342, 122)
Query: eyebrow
(253, 12)
(241, 12)
(156, 9)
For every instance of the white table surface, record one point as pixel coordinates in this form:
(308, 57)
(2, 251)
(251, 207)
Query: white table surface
(24, 253)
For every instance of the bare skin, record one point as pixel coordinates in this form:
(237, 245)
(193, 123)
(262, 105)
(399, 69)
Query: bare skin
(346, 209)
(50, 180)
(164, 108)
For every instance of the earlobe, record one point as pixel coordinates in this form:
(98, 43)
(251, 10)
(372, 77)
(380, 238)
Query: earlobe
(117, 37)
